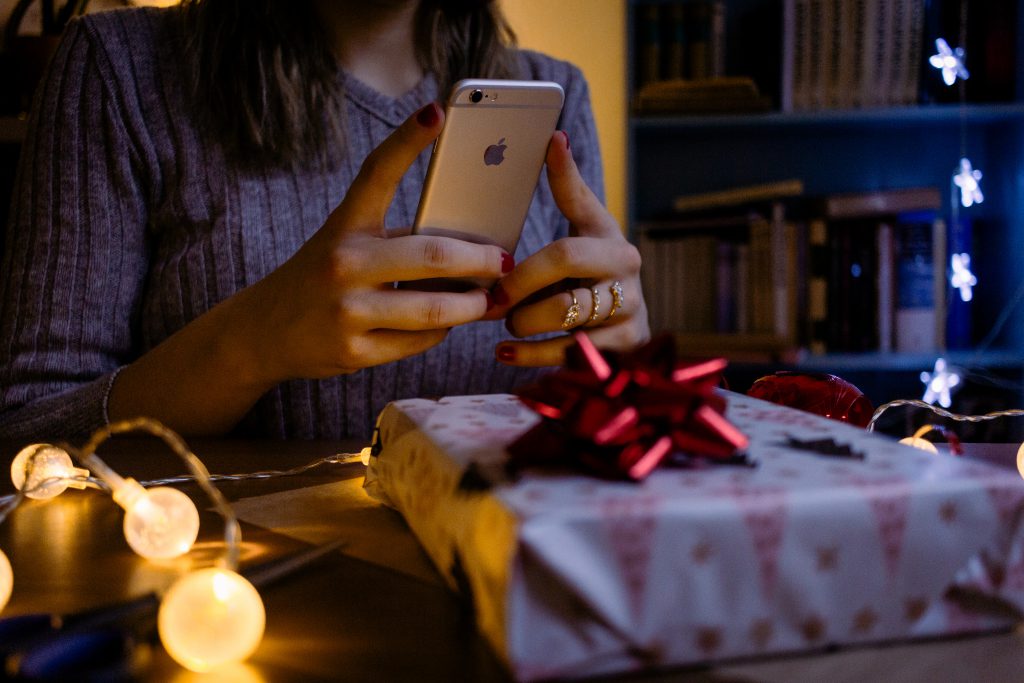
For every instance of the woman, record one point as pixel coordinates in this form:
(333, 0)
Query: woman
(198, 231)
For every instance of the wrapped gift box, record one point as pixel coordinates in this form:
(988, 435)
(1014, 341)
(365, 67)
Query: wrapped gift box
(572, 576)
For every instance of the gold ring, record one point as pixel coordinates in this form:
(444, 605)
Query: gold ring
(572, 314)
(596, 305)
(616, 290)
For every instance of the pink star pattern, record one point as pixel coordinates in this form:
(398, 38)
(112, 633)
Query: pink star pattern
(630, 523)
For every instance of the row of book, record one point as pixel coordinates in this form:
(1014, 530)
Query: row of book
(839, 54)
(767, 269)
(804, 55)
(680, 40)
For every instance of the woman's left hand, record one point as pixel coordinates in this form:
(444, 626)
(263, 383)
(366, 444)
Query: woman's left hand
(599, 268)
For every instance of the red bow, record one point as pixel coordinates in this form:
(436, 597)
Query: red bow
(619, 415)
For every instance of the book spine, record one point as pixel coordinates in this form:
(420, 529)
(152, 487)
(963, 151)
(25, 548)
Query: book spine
(886, 287)
(725, 281)
(818, 49)
(649, 52)
(801, 55)
(849, 64)
(817, 286)
(898, 30)
(675, 42)
(717, 39)
(699, 31)
(916, 314)
(940, 280)
(915, 51)
(864, 38)
(787, 56)
(878, 83)
(833, 33)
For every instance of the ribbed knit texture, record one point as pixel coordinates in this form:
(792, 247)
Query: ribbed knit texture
(128, 222)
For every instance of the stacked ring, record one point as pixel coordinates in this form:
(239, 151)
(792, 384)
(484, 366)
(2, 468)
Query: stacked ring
(572, 314)
(596, 309)
(616, 290)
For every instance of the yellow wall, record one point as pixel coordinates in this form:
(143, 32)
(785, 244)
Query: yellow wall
(592, 35)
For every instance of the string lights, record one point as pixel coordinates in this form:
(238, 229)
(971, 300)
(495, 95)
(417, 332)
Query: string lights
(966, 186)
(207, 618)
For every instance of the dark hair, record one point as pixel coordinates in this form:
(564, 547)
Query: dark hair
(264, 79)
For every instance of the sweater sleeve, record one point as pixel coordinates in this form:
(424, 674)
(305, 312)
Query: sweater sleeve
(75, 260)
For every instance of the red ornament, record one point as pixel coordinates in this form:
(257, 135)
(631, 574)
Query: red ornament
(619, 415)
(815, 392)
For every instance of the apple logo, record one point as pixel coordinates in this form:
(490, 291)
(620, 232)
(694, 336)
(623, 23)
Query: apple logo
(495, 154)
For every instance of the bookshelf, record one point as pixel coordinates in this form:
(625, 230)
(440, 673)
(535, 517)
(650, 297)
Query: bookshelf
(844, 150)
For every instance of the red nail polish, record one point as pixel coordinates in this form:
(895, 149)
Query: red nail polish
(507, 262)
(500, 295)
(566, 136)
(490, 300)
(428, 116)
(507, 353)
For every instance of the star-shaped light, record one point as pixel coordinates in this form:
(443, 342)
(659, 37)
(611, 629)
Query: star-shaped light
(967, 180)
(962, 277)
(950, 61)
(939, 382)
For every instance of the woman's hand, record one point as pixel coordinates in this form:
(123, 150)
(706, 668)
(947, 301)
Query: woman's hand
(589, 280)
(333, 308)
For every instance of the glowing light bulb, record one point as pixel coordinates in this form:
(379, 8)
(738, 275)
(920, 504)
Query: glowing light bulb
(211, 617)
(962, 277)
(1020, 460)
(968, 179)
(159, 523)
(950, 61)
(6, 580)
(920, 444)
(939, 383)
(49, 464)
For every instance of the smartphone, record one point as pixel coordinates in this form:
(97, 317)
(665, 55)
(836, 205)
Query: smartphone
(487, 159)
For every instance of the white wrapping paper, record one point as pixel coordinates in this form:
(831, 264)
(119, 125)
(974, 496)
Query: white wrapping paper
(574, 576)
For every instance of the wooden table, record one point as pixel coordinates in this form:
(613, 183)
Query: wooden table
(347, 618)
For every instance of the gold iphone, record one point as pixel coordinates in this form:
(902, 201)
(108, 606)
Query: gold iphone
(487, 159)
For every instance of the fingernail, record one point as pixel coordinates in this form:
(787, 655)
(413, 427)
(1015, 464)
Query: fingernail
(500, 295)
(428, 116)
(507, 262)
(566, 136)
(506, 353)
(490, 300)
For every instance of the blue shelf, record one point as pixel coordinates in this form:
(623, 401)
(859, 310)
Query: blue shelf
(887, 116)
(845, 362)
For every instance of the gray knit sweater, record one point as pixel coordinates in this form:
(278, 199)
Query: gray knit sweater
(128, 222)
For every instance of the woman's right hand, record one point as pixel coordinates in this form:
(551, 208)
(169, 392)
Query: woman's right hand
(332, 308)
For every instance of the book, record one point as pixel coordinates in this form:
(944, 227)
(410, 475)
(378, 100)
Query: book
(802, 65)
(880, 202)
(714, 95)
(920, 282)
(860, 293)
(817, 286)
(649, 44)
(675, 65)
(787, 56)
(886, 291)
(865, 33)
(735, 196)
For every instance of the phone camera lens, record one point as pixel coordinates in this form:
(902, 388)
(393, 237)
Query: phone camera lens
(476, 96)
